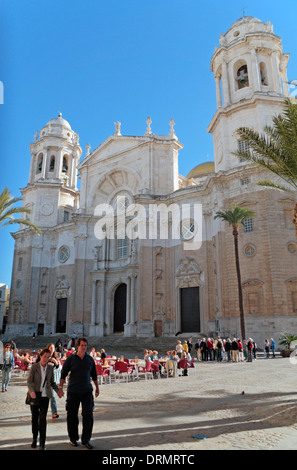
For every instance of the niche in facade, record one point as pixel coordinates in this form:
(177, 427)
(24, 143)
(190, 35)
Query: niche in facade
(242, 77)
(65, 164)
(263, 74)
(39, 163)
(52, 163)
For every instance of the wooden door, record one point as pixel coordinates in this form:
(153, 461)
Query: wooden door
(190, 309)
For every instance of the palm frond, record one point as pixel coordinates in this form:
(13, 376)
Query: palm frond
(275, 149)
(7, 211)
(273, 184)
(16, 210)
(24, 222)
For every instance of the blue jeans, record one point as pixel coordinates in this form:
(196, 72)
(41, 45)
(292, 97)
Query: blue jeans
(6, 375)
(54, 408)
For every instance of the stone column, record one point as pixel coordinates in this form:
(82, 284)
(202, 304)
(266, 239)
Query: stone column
(94, 302)
(255, 71)
(133, 298)
(102, 303)
(285, 81)
(128, 304)
(32, 168)
(275, 72)
(44, 162)
(218, 91)
(225, 84)
(58, 164)
(70, 171)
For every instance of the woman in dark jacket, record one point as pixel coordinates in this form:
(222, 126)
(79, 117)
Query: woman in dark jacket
(40, 384)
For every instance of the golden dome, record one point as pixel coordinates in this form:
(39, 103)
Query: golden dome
(201, 170)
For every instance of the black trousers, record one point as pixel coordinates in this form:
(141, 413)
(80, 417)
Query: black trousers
(72, 406)
(39, 413)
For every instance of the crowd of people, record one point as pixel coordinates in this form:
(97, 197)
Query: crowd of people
(205, 349)
(230, 350)
(58, 363)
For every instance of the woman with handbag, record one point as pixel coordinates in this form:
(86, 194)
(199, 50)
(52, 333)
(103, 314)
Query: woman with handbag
(8, 365)
(40, 384)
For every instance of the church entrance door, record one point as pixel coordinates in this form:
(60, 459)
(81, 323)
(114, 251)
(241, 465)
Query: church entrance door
(61, 315)
(190, 309)
(120, 301)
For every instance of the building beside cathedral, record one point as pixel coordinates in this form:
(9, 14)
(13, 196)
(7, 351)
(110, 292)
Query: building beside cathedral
(71, 280)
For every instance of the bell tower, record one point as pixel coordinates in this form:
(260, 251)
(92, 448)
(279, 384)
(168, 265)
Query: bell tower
(250, 71)
(52, 193)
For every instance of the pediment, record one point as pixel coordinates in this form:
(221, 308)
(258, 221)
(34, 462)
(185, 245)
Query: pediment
(114, 146)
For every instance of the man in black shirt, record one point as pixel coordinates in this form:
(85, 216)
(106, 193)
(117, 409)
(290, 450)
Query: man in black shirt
(82, 369)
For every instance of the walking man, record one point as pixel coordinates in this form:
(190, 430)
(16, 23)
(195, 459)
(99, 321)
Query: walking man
(82, 369)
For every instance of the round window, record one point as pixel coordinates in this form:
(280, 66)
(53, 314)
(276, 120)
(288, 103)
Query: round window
(188, 229)
(292, 248)
(63, 254)
(249, 250)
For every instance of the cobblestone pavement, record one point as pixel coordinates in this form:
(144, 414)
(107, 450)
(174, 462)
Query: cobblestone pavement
(164, 414)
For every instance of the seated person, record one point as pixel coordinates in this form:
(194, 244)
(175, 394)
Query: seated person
(103, 354)
(93, 353)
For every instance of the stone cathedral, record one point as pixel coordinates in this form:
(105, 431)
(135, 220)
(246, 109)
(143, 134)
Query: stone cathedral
(69, 280)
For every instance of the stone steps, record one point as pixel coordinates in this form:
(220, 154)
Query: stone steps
(114, 344)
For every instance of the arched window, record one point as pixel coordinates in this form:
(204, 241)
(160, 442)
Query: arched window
(242, 77)
(65, 164)
(52, 163)
(121, 202)
(263, 74)
(39, 163)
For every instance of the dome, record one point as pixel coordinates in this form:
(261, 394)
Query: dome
(247, 24)
(59, 121)
(245, 19)
(201, 170)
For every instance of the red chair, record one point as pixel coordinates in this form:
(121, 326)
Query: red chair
(103, 372)
(156, 368)
(184, 365)
(17, 365)
(146, 370)
(24, 367)
(122, 369)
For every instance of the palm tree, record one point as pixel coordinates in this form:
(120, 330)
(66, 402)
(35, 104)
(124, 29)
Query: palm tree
(7, 211)
(235, 217)
(276, 150)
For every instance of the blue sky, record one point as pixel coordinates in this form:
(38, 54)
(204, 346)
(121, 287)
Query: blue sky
(101, 61)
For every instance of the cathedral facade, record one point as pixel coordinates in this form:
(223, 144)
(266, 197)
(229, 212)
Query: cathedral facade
(137, 249)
